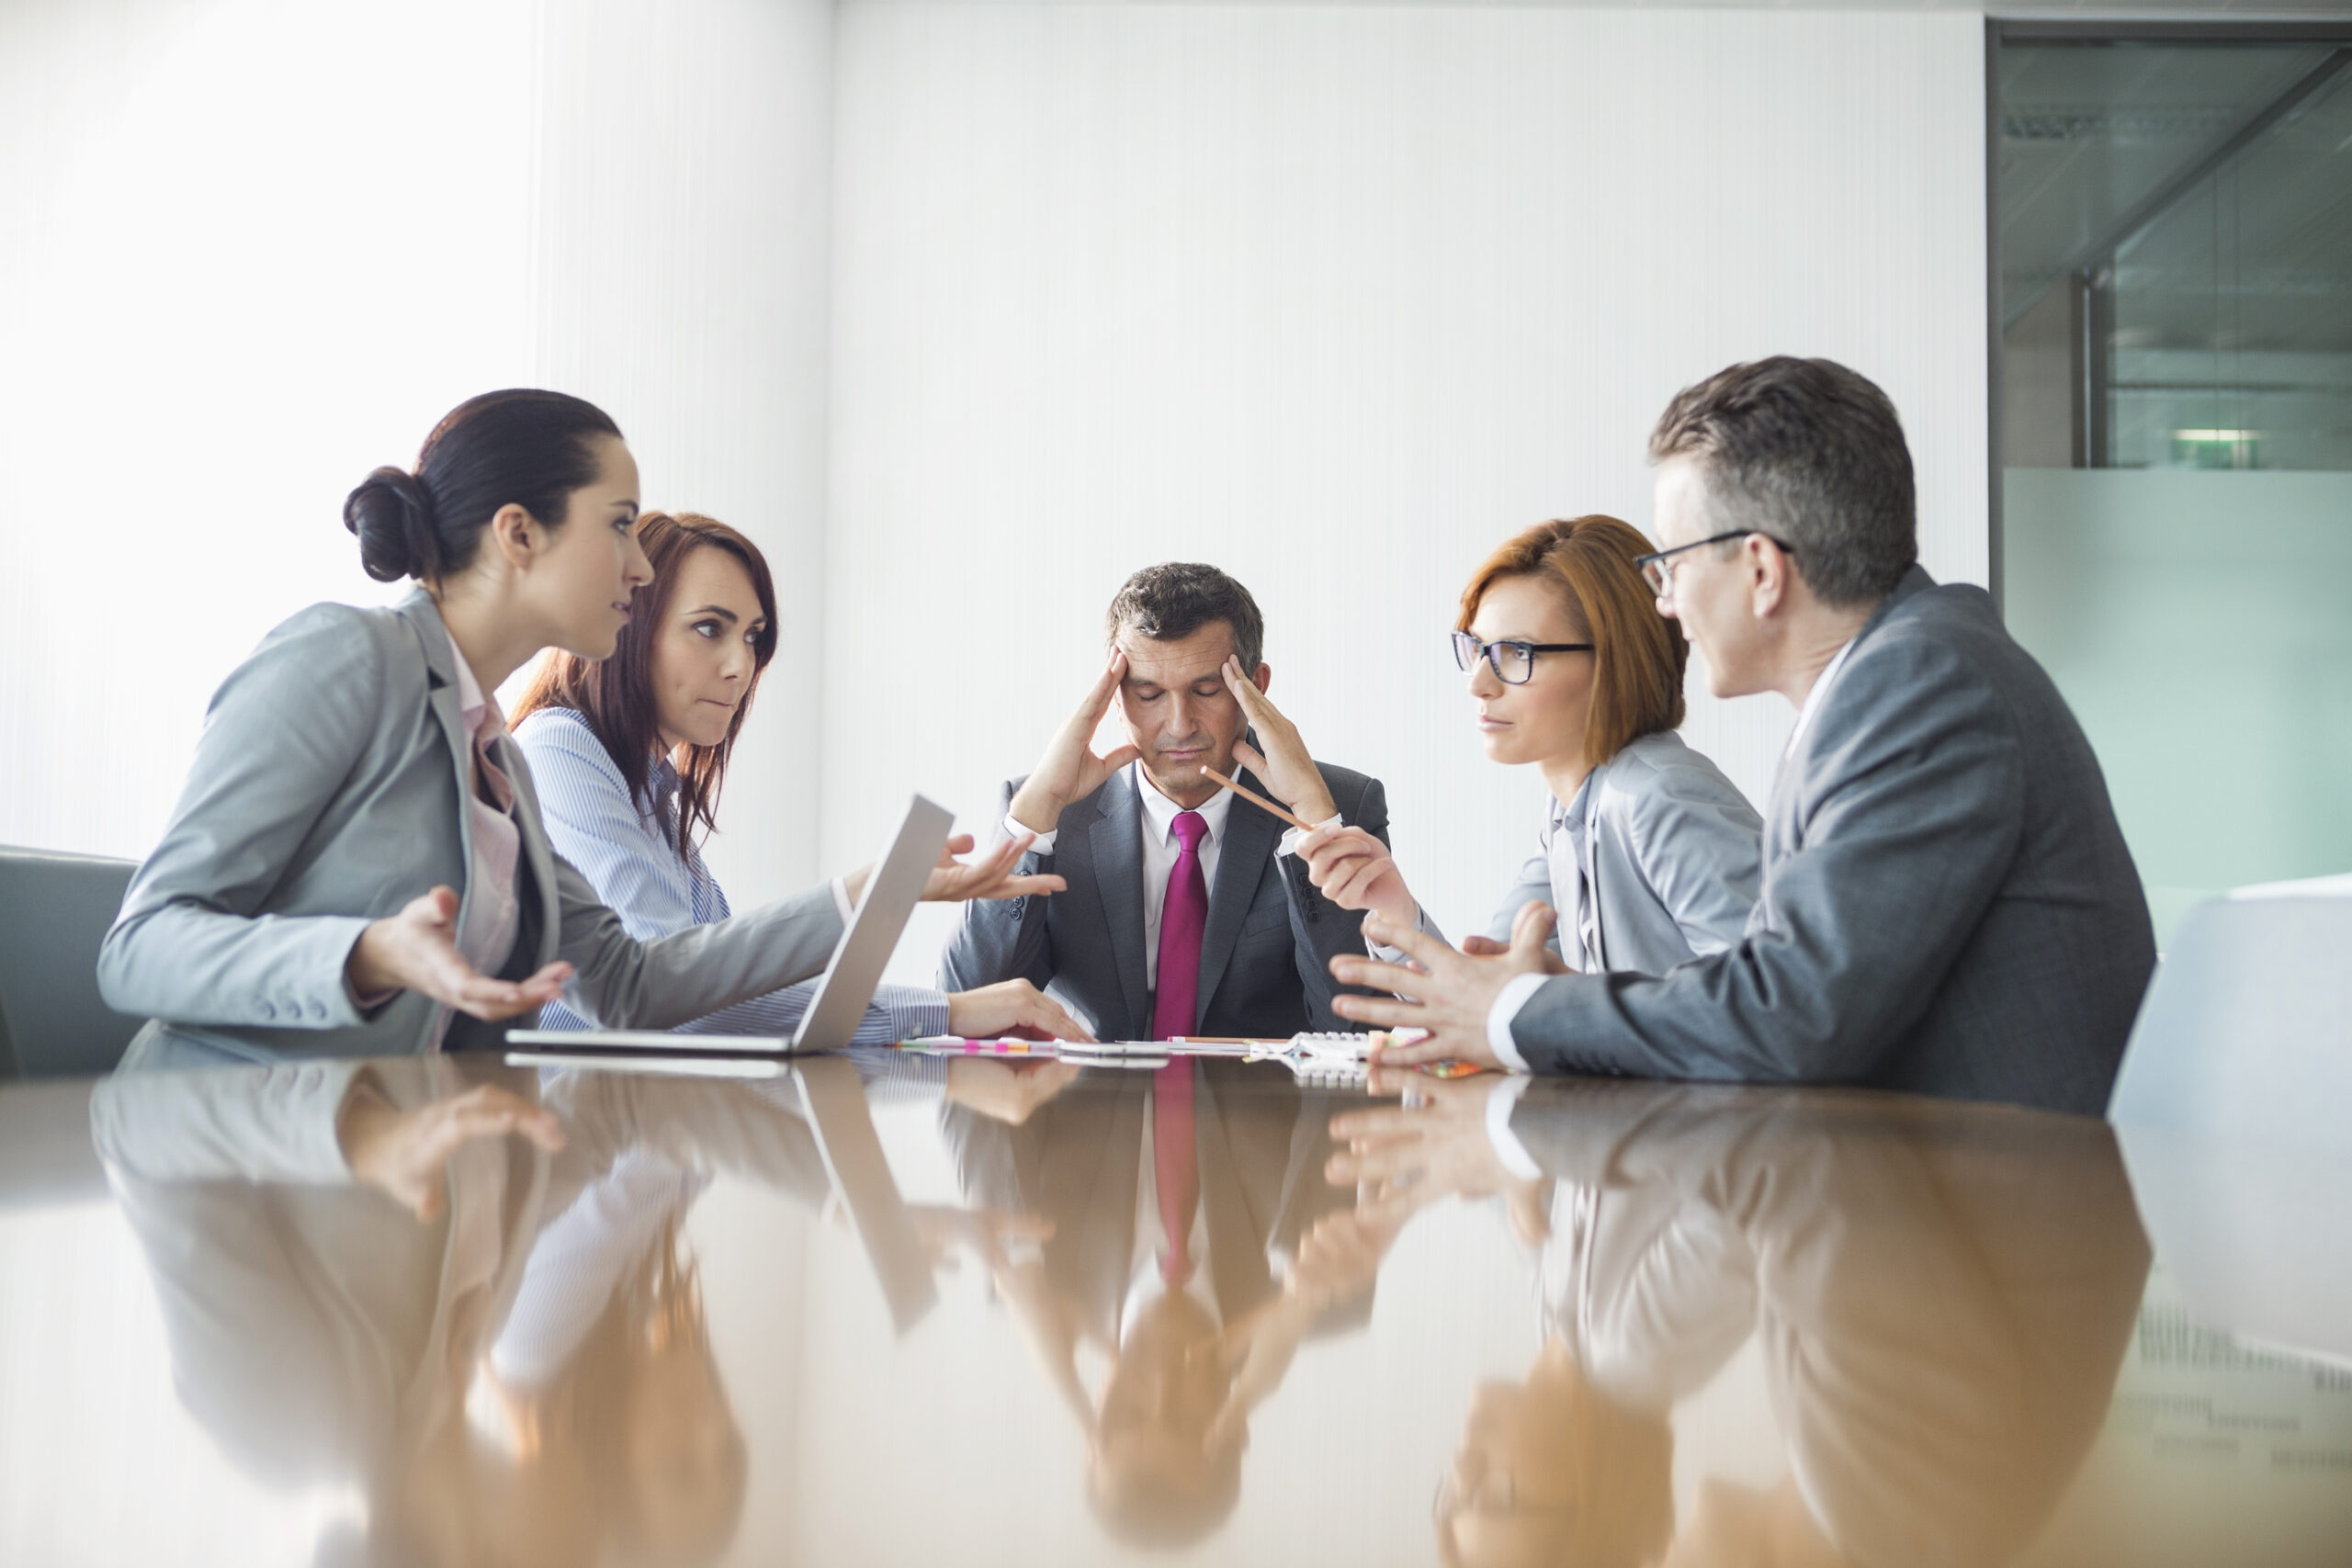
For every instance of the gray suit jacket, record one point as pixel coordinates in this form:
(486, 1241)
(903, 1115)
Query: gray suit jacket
(328, 790)
(1265, 955)
(1666, 850)
(1947, 906)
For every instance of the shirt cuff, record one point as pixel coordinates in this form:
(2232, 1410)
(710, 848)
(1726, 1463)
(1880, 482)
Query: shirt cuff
(1501, 1100)
(1293, 837)
(1044, 844)
(1396, 954)
(840, 898)
(1515, 992)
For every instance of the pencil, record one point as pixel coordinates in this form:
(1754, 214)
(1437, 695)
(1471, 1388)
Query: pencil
(1257, 800)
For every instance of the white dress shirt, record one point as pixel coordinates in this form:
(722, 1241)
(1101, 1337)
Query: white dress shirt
(1516, 991)
(1159, 850)
(1813, 698)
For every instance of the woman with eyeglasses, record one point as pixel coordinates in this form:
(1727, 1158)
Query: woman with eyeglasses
(1647, 856)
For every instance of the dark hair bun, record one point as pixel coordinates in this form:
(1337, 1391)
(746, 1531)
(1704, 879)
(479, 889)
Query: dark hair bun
(394, 518)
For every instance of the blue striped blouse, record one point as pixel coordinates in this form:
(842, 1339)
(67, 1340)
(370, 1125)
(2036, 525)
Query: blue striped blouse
(633, 863)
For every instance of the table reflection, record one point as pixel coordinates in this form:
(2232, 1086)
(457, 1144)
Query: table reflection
(499, 1342)
(1942, 1300)
(1171, 1207)
(442, 1311)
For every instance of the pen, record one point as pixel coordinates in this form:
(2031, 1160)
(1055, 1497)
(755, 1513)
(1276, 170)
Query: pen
(1254, 798)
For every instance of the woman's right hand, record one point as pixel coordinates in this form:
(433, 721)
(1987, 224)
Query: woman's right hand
(1354, 869)
(417, 950)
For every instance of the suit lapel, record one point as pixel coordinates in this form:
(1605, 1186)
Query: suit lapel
(1590, 852)
(441, 673)
(1114, 841)
(1783, 818)
(532, 828)
(1250, 835)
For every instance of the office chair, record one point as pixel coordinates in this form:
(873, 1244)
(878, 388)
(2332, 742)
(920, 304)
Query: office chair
(54, 910)
(2246, 1032)
(2231, 1107)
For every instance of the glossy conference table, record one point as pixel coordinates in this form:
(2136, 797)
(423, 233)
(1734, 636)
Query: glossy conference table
(861, 1314)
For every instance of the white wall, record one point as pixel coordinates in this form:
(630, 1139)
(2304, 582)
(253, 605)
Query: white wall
(250, 250)
(966, 312)
(1337, 298)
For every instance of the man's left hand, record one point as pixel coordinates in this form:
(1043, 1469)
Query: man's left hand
(1450, 996)
(1285, 767)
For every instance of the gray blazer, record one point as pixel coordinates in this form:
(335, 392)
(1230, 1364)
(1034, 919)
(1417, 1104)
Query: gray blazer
(1659, 853)
(1265, 954)
(1948, 904)
(328, 790)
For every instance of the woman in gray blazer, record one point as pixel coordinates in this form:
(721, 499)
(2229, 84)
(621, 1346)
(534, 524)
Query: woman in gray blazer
(357, 865)
(1648, 856)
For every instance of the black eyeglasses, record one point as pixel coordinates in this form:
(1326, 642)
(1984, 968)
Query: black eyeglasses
(1513, 662)
(1660, 576)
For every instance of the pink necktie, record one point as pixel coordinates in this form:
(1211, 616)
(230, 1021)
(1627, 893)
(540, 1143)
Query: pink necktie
(1181, 919)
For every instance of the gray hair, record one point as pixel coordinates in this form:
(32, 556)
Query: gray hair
(1812, 453)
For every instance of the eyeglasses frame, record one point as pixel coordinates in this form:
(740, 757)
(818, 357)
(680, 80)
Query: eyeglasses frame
(1663, 585)
(1487, 652)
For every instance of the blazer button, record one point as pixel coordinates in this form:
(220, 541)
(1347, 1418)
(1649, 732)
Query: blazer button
(1017, 907)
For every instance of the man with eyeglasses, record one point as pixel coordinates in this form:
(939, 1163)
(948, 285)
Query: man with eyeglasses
(1948, 904)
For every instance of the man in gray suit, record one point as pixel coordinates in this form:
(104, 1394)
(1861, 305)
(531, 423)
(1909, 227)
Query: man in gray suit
(1948, 904)
(1184, 911)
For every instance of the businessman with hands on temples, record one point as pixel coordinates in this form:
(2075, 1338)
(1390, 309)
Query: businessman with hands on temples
(1185, 912)
(1948, 904)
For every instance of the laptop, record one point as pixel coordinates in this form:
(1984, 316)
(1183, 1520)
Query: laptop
(842, 992)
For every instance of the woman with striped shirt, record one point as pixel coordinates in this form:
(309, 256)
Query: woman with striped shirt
(629, 754)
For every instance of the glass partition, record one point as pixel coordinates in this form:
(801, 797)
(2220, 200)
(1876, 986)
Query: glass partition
(2175, 375)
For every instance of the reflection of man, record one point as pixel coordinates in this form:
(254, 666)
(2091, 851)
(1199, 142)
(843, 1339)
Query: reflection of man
(1173, 1198)
(1943, 1298)
(1185, 913)
(1948, 904)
